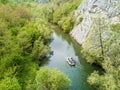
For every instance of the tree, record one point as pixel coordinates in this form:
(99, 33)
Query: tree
(4, 1)
(103, 82)
(51, 79)
(93, 47)
(110, 79)
(40, 50)
(22, 12)
(19, 38)
(10, 84)
(63, 13)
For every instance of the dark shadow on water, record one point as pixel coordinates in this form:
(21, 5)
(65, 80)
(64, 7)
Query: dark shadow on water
(77, 47)
(63, 46)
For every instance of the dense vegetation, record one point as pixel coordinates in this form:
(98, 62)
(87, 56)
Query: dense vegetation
(61, 12)
(25, 36)
(51, 80)
(103, 47)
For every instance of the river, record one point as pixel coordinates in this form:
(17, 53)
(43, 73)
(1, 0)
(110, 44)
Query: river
(63, 46)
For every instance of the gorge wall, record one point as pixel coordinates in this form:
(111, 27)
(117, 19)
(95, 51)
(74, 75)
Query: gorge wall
(90, 10)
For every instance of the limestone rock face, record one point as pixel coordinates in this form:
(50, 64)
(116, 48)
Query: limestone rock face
(91, 9)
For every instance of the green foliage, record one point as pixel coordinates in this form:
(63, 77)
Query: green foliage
(118, 6)
(10, 84)
(106, 82)
(65, 9)
(110, 80)
(4, 1)
(110, 62)
(3, 27)
(51, 79)
(22, 12)
(19, 39)
(94, 47)
(11, 58)
(115, 27)
(66, 23)
(5, 13)
(40, 50)
(44, 31)
(25, 44)
(28, 73)
(63, 14)
(59, 12)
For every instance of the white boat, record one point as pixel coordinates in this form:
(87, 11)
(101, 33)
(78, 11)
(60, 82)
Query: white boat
(71, 61)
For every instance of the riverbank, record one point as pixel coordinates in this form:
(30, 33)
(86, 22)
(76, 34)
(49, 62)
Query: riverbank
(63, 46)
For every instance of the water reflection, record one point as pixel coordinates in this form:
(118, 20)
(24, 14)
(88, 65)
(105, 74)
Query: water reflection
(63, 46)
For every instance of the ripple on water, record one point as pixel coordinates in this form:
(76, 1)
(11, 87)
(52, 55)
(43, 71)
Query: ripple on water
(63, 45)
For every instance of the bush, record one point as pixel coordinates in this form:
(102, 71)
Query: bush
(10, 84)
(115, 27)
(63, 14)
(66, 23)
(51, 79)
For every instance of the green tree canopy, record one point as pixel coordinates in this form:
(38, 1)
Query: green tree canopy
(9, 84)
(110, 37)
(51, 79)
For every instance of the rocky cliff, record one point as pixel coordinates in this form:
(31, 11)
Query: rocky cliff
(90, 10)
(97, 29)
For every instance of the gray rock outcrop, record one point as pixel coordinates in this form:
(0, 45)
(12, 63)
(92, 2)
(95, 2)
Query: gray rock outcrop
(91, 9)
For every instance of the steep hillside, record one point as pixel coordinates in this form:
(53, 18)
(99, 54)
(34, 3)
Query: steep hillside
(98, 23)
(90, 10)
(97, 29)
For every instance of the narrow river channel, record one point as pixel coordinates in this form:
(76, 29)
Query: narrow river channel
(63, 46)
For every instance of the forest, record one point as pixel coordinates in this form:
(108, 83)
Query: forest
(25, 37)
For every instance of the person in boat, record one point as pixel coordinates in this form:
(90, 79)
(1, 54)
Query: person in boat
(71, 60)
(70, 57)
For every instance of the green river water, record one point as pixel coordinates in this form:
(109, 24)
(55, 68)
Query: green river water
(63, 46)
